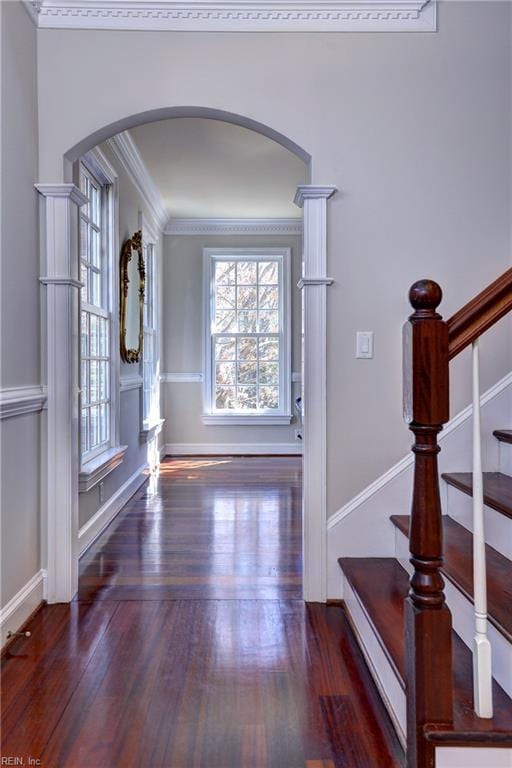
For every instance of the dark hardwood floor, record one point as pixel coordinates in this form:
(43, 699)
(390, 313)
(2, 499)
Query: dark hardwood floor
(189, 645)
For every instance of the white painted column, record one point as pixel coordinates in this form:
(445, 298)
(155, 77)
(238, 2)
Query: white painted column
(59, 354)
(314, 282)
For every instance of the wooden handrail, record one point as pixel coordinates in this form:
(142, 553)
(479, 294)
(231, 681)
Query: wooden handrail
(480, 314)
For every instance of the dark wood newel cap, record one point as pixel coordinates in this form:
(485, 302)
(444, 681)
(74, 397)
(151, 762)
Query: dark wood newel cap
(425, 296)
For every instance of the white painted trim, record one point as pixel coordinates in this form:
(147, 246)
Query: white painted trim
(16, 401)
(150, 431)
(15, 613)
(183, 378)
(314, 281)
(313, 199)
(231, 449)
(408, 460)
(253, 421)
(296, 377)
(95, 470)
(130, 382)
(127, 152)
(246, 16)
(89, 532)
(62, 190)
(61, 281)
(289, 226)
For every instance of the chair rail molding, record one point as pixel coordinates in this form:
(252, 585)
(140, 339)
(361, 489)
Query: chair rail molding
(59, 205)
(16, 401)
(241, 16)
(313, 200)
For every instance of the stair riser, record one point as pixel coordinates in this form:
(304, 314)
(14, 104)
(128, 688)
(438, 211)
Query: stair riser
(463, 621)
(465, 757)
(386, 679)
(505, 458)
(498, 527)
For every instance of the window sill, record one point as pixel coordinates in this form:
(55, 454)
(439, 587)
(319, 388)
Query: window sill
(242, 419)
(149, 431)
(95, 470)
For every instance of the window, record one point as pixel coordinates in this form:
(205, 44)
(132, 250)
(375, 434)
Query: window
(247, 336)
(150, 393)
(99, 367)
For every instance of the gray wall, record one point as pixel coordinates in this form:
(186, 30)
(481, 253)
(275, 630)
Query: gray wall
(130, 204)
(182, 338)
(414, 129)
(19, 323)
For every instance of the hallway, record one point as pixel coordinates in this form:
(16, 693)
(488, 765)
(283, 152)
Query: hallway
(189, 645)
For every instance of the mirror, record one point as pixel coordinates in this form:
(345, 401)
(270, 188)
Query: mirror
(132, 277)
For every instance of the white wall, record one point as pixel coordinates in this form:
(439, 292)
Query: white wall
(20, 552)
(414, 129)
(182, 339)
(130, 204)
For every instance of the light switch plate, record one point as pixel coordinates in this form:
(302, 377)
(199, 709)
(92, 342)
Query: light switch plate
(364, 344)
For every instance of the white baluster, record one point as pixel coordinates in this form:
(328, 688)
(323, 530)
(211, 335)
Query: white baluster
(482, 666)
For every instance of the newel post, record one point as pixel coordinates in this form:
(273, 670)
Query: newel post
(427, 618)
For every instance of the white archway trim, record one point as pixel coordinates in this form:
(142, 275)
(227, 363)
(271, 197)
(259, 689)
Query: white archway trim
(59, 268)
(314, 282)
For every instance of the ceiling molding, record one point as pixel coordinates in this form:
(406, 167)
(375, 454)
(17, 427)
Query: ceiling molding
(241, 16)
(128, 154)
(291, 226)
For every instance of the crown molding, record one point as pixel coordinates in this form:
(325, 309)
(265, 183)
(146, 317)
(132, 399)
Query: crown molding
(234, 227)
(129, 156)
(241, 16)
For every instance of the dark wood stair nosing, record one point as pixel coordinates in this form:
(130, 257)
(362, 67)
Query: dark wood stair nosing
(503, 435)
(463, 482)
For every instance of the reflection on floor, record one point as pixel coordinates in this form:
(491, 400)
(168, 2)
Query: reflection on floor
(167, 660)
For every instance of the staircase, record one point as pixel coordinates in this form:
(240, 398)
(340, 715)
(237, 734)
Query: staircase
(427, 639)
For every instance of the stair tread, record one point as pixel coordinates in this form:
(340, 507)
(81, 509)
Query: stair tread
(503, 435)
(458, 567)
(381, 585)
(497, 488)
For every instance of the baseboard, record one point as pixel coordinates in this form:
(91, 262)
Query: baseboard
(16, 612)
(89, 532)
(231, 449)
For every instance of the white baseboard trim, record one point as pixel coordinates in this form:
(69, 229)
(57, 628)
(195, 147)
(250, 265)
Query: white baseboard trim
(89, 532)
(408, 460)
(15, 613)
(230, 449)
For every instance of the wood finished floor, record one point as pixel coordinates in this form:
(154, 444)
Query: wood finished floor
(168, 660)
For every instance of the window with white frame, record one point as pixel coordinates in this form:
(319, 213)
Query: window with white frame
(247, 335)
(96, 412)
(150, 394)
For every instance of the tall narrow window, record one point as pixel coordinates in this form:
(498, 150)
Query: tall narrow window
(247, 336)
(96, 414)
(151, 410)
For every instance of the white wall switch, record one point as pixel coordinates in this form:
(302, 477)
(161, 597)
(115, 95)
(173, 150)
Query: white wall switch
(364, 344)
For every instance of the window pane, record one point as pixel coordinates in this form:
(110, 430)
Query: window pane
(225, 297)
(225, 321)
(94, 204)
(104, 430)
(84, 384)
(94, 380)
(225, 349)
(269, 348)
(94, 413)
(84, 241)
(95, 248)
(268, 321)
(93, 337)
(103, 380)
(268, 272)
(85, 279)
(246, 272)
(103, 350)
(225, 398)
(246, 373)
(246, 297)
(94, 288)
(269, 297)
(246, 398)
(269, 397)
(269, 373)
(84, 433)
(225, 272)
(225, 373)
(247, 348)
(84, 334)
(247, 321)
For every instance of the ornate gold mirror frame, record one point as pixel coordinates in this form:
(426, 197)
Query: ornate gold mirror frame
(134, 244)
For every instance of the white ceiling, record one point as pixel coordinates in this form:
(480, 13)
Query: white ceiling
(211, 169)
